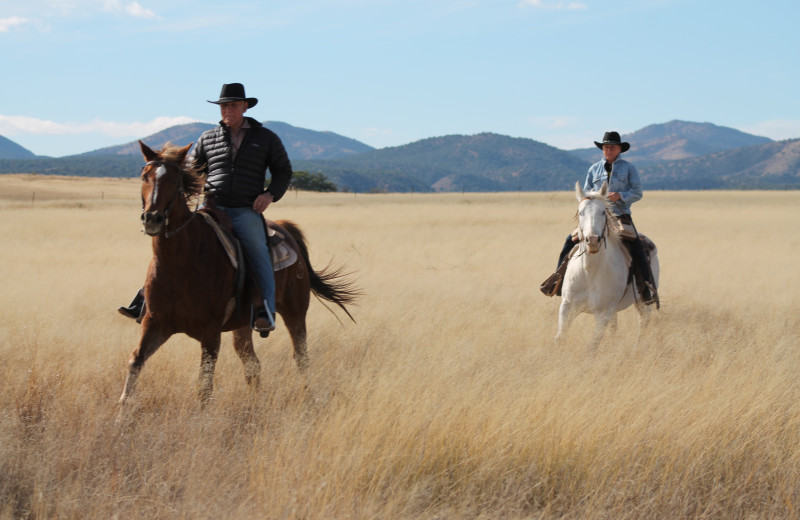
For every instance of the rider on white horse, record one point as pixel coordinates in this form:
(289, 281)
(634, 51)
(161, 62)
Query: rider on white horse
(624, 189)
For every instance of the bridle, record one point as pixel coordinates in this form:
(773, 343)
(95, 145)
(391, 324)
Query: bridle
(603, 233)
(179, 192)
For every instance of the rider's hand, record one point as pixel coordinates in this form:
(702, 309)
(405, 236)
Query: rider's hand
(262, 202)
(614, 196)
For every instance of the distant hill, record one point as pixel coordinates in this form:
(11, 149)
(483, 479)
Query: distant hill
(677, 140)
(775, 165)
(300, 143)
(482, 162)
(11, 150)
(179, 135)
(77, 165)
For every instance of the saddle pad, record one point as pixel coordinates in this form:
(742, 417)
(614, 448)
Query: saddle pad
(282, 255)
(649, 245)
(623, 230)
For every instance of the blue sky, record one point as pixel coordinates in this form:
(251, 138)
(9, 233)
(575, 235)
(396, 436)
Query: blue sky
(78, 75)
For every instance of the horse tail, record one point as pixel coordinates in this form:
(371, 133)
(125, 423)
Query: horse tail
(331, 283)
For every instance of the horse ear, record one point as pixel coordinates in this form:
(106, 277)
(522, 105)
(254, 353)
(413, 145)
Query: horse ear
(149, 154)
(604, 189)
(579, 192)
(183, 151)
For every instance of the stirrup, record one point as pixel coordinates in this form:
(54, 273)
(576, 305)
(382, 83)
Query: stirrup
(135, 310)
(552, 285)
(650, 295)
(263, 322)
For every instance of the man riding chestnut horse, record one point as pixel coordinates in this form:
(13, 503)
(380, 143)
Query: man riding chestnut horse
(235, 157)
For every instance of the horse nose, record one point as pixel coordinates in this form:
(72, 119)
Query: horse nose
(152, 217)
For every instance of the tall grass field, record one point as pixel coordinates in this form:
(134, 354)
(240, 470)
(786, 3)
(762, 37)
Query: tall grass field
(447, 399)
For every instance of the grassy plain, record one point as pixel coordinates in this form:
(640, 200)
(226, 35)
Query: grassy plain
(446, 400)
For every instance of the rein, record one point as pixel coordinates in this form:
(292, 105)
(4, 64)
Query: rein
(181, 191)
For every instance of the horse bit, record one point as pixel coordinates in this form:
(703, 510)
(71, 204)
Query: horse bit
(180, 191)
(603, 233)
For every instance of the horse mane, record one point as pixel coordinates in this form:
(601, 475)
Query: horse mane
(595, 195)
(191, 175)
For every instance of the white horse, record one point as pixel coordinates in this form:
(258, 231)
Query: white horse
(596, 280)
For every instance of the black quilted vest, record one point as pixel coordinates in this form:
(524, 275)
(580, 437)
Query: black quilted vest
(236, 181)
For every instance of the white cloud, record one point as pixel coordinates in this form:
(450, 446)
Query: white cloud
(540, 4)
(21, 125)
(7, 23)
(132, 8)
(778, 129)
(135, 9)
(553, 122)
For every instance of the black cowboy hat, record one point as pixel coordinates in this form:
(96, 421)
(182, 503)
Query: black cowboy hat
(234, 92)
(613, 138)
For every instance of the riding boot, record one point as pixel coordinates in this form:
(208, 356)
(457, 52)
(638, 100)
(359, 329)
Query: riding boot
(552, 286)
(649, 291)
(263, 321)
(136, 309)
(645, 281)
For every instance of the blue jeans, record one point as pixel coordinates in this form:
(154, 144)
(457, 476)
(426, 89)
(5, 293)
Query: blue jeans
(248, 226)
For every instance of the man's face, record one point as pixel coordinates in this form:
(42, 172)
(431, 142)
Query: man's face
(611, 152)
(233, 113)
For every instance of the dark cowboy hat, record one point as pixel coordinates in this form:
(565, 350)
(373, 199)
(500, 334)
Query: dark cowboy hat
(613, 138)
(234, 92)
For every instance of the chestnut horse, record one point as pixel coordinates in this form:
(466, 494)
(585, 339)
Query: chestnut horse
(191, 282)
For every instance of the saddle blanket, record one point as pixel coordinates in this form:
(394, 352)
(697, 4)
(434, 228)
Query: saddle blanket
(282, 255)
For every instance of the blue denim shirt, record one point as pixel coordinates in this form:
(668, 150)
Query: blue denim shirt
(624, 180)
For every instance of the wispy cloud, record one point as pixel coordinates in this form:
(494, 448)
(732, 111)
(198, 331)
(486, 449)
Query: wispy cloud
(564, 132)
(552, 122)
(555, 6)
(22, 125)
(6, 24)
(777, 129)
(131, 8)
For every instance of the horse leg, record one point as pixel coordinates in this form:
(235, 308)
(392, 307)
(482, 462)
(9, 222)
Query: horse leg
(612, 323)
(243, 344)
(601, 321)
(565, 317)
(208, 361)
(152, 338)
(297, 330)
(294, 293)
(645, 312)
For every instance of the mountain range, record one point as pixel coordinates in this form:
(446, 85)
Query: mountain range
(677, 140)
(672, 155)
(300, 143)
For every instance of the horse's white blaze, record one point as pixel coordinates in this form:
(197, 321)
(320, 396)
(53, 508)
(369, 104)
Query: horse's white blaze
(160, 172)
(596, 280)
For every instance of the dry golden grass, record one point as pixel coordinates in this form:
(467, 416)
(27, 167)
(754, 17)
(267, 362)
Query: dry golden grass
(446, 400)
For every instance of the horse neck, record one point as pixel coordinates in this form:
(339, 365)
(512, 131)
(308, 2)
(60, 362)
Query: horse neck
(168, 246)
(609, 258)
